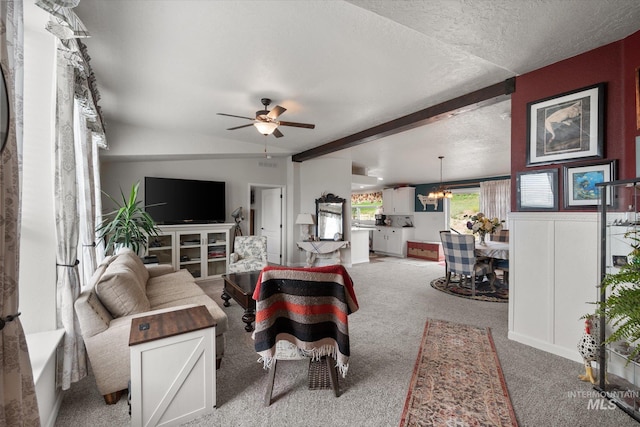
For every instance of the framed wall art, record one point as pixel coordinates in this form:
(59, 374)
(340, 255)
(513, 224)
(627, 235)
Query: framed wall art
(638, 98)
(537, 190)
(566, 127)
(580, 188)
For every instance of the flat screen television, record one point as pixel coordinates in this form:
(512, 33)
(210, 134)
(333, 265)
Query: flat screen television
(184, 201)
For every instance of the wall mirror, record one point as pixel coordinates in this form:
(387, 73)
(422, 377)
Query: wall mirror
(330, 217)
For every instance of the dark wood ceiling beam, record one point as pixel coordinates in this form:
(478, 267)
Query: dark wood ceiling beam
(471, 101)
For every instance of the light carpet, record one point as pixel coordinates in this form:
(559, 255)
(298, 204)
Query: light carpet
(395, 302)
(457, 380)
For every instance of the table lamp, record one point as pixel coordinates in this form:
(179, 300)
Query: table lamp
(305, 220)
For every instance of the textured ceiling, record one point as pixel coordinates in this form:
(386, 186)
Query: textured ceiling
(165, 68)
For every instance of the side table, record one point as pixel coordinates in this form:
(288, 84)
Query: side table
(328, 250)
(173, 367)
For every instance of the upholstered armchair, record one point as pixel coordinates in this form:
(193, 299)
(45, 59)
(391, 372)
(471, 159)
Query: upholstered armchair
(249, 254)
(460, 258)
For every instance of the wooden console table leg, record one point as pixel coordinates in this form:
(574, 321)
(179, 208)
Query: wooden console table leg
(226, 297)
(249, 317)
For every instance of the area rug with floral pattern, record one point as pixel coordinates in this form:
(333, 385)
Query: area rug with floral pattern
(457, 380)
(483, 290)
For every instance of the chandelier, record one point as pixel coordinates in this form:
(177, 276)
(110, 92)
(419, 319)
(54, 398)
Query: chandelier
(441, 192)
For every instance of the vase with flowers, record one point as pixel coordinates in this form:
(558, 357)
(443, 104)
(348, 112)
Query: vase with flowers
(481, 225)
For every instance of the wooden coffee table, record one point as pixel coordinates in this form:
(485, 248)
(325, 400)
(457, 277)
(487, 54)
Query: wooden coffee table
(240, 287)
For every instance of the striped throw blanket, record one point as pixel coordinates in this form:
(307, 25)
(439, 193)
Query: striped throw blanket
(307, 307)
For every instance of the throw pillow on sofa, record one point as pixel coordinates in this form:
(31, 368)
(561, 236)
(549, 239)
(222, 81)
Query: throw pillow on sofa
(120, 292)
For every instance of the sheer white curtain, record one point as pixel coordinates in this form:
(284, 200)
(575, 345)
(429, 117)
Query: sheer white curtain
(18, 403)
(74, 365)
(86, 200)
(495, 199)
(78, 133)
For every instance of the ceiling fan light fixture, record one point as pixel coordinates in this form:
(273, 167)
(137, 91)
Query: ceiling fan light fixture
(266, 128)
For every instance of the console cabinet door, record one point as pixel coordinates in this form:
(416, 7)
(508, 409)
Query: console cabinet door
(202, 250)
(190, 253)
(162, 246)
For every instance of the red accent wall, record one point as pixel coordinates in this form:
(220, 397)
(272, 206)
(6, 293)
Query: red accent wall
(613, 64)
(631, 54)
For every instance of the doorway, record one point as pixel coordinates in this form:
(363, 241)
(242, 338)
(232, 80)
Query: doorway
(267, 218)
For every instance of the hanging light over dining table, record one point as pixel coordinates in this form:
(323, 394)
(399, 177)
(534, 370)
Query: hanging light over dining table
(441, 192)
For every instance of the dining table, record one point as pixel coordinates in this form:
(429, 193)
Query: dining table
(496, 250)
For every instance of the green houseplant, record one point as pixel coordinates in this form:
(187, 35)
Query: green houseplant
(621, 308)
(129, 225)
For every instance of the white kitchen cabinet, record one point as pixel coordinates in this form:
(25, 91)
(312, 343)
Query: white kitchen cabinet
(202, 249)
(392, 240)
(398, 201)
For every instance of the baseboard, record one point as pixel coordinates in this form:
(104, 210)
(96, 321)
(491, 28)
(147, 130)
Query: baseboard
(546, 346)
(54, 412)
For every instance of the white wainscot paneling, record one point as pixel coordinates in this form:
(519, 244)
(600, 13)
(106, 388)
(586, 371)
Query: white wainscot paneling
(553, 277)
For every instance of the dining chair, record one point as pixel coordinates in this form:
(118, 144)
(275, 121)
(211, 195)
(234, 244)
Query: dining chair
(460, 258)
(304, 312)
(501, 264)
(500, 236)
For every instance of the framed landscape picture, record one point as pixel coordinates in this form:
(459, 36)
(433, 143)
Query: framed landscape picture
(537, 190)
(580, 188)
(566, 127)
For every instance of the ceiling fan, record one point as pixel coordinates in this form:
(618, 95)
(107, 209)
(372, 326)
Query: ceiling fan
(266, 121)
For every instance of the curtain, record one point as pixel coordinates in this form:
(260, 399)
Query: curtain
(74, 365)
(18, 403)
(79, 131)
(86, 201)
(495, 199)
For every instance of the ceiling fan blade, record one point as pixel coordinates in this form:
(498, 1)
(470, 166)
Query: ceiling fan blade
(277, 133)
(276, 111)
(298, 125)
(240, 127)
(239, 117)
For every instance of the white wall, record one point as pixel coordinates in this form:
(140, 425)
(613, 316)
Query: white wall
(37, 281)
(236, 173)
(326, 175)
(428, 225)
(37, 240)
(552, 279)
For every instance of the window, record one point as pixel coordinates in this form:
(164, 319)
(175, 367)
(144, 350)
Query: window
(365, 205)
(465, 202)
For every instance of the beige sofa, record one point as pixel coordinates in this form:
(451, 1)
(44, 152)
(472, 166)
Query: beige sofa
(122, 288)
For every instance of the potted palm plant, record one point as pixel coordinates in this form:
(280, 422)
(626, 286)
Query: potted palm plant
(129, 225)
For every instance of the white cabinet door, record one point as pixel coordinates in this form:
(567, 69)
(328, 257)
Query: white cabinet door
(380, 240)
(203, 250)
(162, 247)
(394, 241)
(216, 250)
(399, 201)
(387, 201)
(191, 253)
(403, 200)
